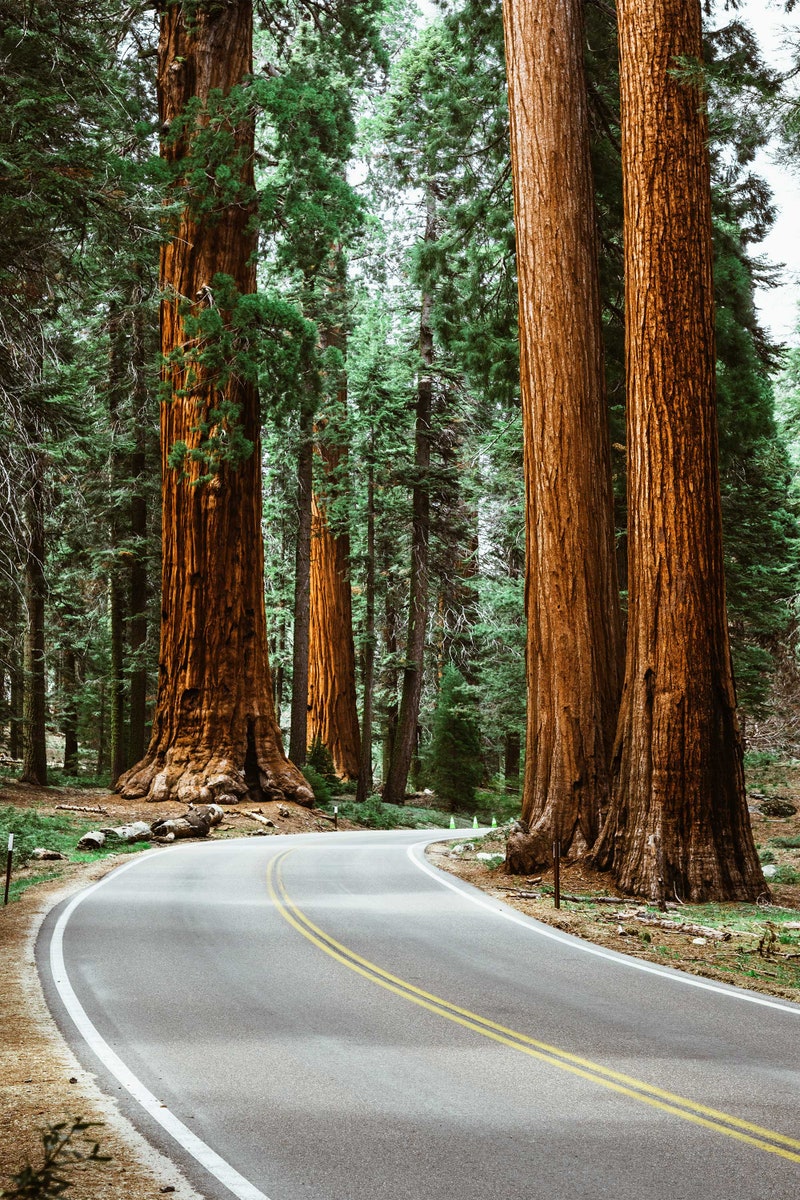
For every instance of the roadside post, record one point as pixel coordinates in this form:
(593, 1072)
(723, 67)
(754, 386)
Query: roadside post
(336, 816)
(557, 873)
(9, 857)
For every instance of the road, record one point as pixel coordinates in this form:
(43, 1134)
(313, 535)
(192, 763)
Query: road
(326, 1017)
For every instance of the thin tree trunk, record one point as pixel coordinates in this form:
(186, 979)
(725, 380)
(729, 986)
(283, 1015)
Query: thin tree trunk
(137, 517)
(572, 602)
(100, 762)
(332, 703)
(116, 602)
(511, 757)
(364, 786)
(405, 740)
(678, 820)
(116, 713)
(214, 730)
(298, 736)
(34, 703)
(15, 678)
(389, 674)
(278, 674)
(69, 721)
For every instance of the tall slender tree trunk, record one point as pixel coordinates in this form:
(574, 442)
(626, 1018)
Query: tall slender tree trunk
(511, 757)
(214, 730)
(572, 603)
(137, 517)
(34, 699)
(116, 595)
(14, 676)
(364, 786)
(69, 721)
(100, 761)
(332, 703)
(389, 671)
(298, 735)
(678, 820)
(405, 739)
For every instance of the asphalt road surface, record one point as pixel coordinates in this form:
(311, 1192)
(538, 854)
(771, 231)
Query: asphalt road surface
(326, 1017)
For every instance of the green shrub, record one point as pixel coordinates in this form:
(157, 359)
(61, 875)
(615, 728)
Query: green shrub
(786, 843)
(320, 760)
(323, 793)
(766, 856)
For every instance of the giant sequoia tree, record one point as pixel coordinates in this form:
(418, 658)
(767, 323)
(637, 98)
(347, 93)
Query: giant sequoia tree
(574, 634)
(678, 818)
(214, 731)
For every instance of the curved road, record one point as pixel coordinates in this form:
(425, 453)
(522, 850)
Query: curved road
(326, 1017)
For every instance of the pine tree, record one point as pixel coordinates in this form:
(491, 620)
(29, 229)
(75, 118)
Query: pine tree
(453, 763)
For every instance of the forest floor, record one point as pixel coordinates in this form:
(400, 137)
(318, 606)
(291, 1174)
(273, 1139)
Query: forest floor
(42, 1083)
(754, 946)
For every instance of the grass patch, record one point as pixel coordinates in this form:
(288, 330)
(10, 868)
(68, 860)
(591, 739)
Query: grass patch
(786, 843)
(374, 814)
(60, 832)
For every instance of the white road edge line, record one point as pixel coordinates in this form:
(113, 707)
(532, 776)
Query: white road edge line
(227, 1175)
(415, 853)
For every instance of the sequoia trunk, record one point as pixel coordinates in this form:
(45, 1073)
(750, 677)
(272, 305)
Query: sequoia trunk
(574, 647)
(332, 704)
(214, 731)
(298, 734)
(678, 820)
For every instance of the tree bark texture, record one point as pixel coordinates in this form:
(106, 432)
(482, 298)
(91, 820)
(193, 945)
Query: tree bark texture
(332, 703)
(69, 720)
(364, 787)
(34, 696)
(298, 734)
(405, 737)
(678, 819)
(214, 732)
(574, 644)
(116, 595)
(137, 515)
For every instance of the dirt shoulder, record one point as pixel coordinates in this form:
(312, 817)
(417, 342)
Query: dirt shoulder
(750, 946)
(41, 1081)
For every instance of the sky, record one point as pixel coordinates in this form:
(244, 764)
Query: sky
(778, 307)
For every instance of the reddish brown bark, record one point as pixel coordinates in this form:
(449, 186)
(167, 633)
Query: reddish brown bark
(678, 819)
(214, 732)
(298, 736)
(332, 704)
(572, 602)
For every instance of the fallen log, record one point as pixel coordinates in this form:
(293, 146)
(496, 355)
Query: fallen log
(197, 822)
(688, 927)
(95, 839)
(87, 808)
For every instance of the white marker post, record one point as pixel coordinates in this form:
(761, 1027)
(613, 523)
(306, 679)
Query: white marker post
(9, 857)
(336, 816)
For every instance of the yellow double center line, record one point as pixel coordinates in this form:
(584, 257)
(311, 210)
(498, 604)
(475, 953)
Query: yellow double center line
(615, 1081)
